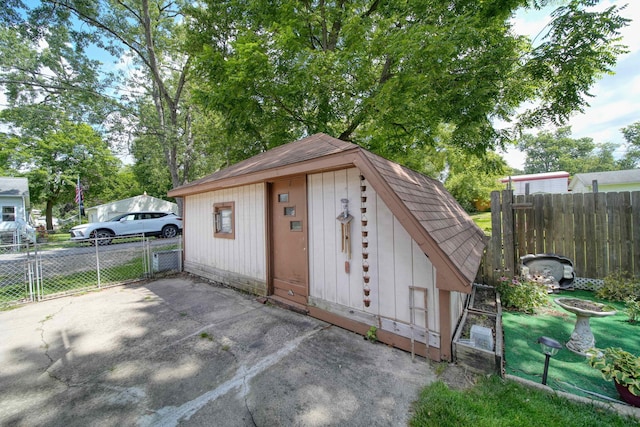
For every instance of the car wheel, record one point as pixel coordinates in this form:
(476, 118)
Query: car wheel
(169, 231)
(104, 237)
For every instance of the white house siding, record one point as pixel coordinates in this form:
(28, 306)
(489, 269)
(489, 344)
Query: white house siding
(395, 260)
(240, 262)
(605, 188)
(457, 307)
(19, 209)
(551, 185)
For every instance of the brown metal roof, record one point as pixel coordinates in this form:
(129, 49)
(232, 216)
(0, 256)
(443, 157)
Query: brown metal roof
(434, 219)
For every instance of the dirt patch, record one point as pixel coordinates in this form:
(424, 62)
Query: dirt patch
(484, 299)
(457, 377)
(485, 320)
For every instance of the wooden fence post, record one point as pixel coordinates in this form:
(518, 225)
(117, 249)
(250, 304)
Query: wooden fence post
(495, 244)
(508, 242)
(599, 232)
(635, 227)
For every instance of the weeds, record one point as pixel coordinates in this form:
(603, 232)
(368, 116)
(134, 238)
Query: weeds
(372, 334)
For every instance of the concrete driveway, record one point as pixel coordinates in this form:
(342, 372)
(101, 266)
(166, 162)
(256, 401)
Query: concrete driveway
(179, 351)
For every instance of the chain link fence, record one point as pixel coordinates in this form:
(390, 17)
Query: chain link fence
(34, 272)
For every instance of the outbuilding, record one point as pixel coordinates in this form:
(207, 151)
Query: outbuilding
(143, 202)
(333, 230)
(605, 182)
(546, 182)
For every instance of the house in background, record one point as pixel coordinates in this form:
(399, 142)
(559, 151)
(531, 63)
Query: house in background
(15, 206)
(331, 229)
(625, 180)
(143, 202)
(548, 182)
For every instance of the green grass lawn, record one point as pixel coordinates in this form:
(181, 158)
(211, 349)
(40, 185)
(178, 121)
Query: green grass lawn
(132, 270)
(483, 220)
(497, 402)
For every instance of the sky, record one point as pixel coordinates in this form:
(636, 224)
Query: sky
(616, 101)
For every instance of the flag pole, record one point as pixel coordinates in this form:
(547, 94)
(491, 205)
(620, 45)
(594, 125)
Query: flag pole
(79, 200)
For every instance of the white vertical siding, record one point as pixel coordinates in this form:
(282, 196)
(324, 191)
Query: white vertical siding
(550, 185)
(381, 228)
(327, 277)
(244, 255)
(395, 260)
(457, 307)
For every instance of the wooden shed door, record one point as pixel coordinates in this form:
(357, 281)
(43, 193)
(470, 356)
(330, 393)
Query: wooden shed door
(289, 239)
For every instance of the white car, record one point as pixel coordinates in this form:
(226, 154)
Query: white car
(161, 224)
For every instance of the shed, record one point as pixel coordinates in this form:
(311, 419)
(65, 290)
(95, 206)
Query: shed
(547, 182)
(331, 229)
(143, 202)
(15, 206)
(624, 180)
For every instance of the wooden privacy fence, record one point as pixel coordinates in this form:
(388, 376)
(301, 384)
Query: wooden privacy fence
(599, 232)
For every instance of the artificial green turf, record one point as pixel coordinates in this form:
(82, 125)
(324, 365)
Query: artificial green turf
(568, 371)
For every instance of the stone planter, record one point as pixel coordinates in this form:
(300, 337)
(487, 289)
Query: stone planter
(478, 342)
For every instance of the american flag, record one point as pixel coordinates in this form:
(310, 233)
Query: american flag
(79, 195)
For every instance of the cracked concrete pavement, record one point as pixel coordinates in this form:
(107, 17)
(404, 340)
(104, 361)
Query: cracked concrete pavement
(180, 351)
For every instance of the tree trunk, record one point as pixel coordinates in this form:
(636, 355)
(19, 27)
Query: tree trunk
(49, 214)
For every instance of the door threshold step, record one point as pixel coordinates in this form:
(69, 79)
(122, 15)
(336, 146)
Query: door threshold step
(289, 305)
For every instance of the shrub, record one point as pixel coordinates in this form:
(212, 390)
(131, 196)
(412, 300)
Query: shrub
(619, 287)
(522, 295)
(632, 309)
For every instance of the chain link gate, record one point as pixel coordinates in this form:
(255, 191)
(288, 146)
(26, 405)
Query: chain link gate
(37, 272)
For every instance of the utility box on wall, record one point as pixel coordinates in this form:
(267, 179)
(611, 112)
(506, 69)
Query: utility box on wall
(166, 261)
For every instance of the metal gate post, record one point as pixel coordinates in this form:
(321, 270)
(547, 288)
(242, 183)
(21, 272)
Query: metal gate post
(146, 251)
(37, 271)
(97, 261)
(30, 279)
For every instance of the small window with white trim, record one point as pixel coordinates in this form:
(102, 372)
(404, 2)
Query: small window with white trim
(8, 213)
(223, 220)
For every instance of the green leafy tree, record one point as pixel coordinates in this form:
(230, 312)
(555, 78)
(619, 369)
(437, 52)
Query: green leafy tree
(43, 63)
(54, 155)
(150, 33)
(122, 185)
(557, 151)
(54, 92)
(150, 168)
(389, 75)
(631, 158)
(471, 178)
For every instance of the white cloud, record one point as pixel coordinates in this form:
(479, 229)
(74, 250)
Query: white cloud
(514, 158)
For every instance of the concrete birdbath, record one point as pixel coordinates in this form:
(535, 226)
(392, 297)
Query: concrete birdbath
(582, 339)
